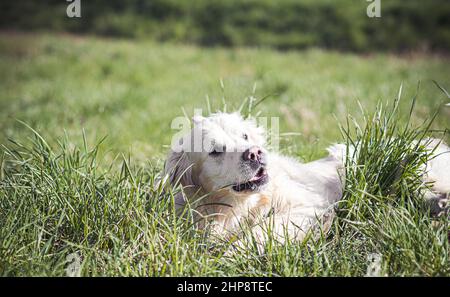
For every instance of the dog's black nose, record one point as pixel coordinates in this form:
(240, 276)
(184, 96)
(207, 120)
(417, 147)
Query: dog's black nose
(254, 155)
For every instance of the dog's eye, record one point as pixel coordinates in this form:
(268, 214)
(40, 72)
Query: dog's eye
(245, 136)
(217, 152)
(214, 153)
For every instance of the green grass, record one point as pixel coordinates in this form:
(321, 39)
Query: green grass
(61, 194)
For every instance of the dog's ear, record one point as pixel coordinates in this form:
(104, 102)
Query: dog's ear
(179, 169)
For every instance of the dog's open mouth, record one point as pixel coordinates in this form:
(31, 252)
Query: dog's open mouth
(254, 183)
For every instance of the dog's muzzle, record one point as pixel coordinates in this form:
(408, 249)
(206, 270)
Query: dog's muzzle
(261, 178)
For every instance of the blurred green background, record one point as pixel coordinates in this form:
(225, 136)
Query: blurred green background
(281, 24)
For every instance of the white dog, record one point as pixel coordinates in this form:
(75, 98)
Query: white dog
(233, 179)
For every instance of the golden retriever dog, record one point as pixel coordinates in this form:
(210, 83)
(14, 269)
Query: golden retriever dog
(230, 178)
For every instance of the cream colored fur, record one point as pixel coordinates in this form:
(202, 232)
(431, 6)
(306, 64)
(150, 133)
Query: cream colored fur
(296, 197)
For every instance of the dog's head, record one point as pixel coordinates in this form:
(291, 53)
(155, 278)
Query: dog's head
(222, 151)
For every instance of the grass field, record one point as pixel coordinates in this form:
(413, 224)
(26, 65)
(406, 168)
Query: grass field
(61, 194)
